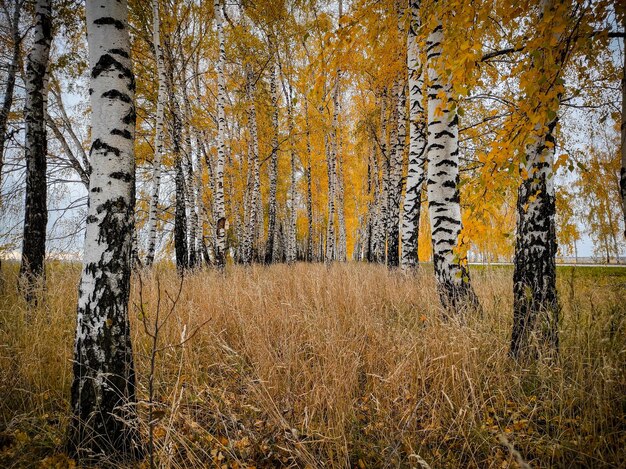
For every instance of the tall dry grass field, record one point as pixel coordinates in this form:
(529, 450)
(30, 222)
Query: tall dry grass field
(347, 366)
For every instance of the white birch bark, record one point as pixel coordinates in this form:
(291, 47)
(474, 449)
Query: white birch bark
(535, 303)
(291, 247)
(220, 211)
(158, 133)
(417, 145)
(623, 130)
(381, 231)
(35, 151)
(254, 206)
(330, 227)
(190, 186)
(103, 391)
(273, 169)
(309, 190)
(452, 276)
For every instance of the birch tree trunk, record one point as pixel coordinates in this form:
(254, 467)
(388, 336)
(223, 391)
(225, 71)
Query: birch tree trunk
(417, 145)
(190, 192)
(395, 181)
(158, 133)
(330, 228)
(13, 66)
(309, 189)
(273, 169)
(623, 130)
(291, 247)
(535, 301)
(451, 272)
(535, 305)
(104, 423)
(381, 245)
(181, 247)
(220, 210)
(36, 149)
(254, 182)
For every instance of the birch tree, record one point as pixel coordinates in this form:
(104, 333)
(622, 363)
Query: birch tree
(417, 144)
(270, 249)
(451, 272)
(13, 66)
(104, 422)
(36, 148)
(220, 209)
(623, 123)
(158, 133)
(535, 303)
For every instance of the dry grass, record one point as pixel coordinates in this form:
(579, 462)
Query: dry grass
(339, 367)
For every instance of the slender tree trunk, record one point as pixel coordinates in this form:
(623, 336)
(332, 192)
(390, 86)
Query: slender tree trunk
(158, 133)
(190, 192)
(395, 193)
(535, 304)
(623, 131)
(417, 145)
(13, 66)
(104, 423)
(381, 253)
(220, 210)
(330, 228)
(254, 181)
(374, 223)
(273, 169)
(451, 272)
(309, 189)
(395, 182)
(36, 149)
(535, 301)
(342, 248)
(180, 215)
(291, 244)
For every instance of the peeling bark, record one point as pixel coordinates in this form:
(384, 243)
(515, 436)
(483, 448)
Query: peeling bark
(104, 423)
(36, 149)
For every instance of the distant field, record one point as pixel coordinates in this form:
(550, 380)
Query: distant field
(346, 366)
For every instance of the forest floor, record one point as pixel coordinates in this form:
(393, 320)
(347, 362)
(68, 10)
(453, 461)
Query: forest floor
(346, 366)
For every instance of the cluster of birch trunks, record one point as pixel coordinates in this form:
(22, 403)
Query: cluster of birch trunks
(103, 365)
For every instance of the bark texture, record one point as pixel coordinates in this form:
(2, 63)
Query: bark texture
(104, 423)
(622, 184)
(273, 169)
(451, 272)
(158, 133)
(417, 145)
(36, 149)
(535, 305)
(220, 209)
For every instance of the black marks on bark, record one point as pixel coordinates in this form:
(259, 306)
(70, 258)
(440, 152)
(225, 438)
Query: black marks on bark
(106, 63)
(121, 175)
(122, 133)
(106, 20)
(98, 145)
(116, 94)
